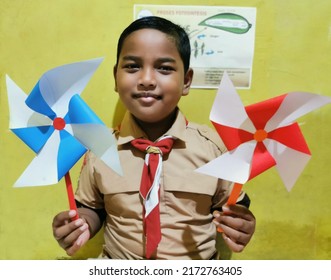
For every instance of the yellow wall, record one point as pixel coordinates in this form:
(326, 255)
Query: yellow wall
(292, 52)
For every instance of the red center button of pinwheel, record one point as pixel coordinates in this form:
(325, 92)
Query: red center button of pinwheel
(260, 135)
(59, 123)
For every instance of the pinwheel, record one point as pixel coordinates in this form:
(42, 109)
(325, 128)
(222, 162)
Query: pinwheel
(55, 122)
(260, 136)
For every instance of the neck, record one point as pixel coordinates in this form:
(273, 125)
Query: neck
(157, 129)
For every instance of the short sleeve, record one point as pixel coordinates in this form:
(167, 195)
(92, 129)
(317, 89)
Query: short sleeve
(87, 192)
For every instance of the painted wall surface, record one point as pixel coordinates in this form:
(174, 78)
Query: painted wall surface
(292, 52)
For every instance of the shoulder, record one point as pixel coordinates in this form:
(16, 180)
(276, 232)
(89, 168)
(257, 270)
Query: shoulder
(207, 134)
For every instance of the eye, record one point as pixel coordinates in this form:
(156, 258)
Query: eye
(166, 69)
(131, 67)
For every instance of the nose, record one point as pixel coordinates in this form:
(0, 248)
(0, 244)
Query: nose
(147, 79)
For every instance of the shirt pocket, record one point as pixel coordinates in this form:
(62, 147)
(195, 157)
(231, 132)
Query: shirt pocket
(121, 193)
(191, 182)
(189, 195)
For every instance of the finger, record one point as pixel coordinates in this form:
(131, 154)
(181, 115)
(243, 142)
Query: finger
(81, 240)
(238, 211)
(61, 230)
(63, 218)
(235, 227)
(238, 237)
(67, 240)
(237, 224)
(238, 217)
(67, 229)
(235, 247)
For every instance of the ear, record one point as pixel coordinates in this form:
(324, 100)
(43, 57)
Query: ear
(114, 74)
(187, 81)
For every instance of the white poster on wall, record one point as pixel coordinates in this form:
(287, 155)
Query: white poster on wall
(222, 39)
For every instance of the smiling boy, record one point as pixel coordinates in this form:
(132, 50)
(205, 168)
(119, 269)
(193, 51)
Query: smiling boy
(176, 215)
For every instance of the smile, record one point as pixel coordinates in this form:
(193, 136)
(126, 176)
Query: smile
(146, 95)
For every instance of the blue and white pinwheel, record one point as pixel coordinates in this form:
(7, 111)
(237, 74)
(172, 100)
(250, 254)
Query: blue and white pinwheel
(55, 122)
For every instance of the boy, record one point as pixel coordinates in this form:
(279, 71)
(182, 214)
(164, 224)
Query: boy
(168, 211)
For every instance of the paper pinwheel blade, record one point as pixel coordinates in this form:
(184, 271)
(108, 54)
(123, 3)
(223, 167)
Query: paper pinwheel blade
(56, 124)
(261, 135)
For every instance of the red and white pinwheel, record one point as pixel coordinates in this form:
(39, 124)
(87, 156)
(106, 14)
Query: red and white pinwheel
(260, 136)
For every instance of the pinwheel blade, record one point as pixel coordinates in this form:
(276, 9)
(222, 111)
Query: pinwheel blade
(42, 170)
(233, 166)
(79, 112)
(20, 114)
(92, 133)
(100, 140)
(32, 128)
(295, 105)
(56, 87)
(228, 109)
(289, 162)
(70, 151)
(34, 137)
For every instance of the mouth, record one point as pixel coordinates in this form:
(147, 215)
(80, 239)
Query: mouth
(146, 95)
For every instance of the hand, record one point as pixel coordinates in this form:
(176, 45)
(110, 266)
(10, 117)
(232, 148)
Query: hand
(71, 235)
(237, 224)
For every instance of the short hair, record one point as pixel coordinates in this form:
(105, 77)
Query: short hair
(174, 31)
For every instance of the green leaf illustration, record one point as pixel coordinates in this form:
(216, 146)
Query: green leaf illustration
(228, 22)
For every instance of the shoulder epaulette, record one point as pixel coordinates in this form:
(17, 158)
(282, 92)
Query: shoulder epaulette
(209, 133)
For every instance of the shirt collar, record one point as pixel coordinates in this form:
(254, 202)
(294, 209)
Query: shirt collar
(130, 130)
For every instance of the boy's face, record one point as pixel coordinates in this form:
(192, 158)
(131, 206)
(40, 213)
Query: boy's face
(150, 76)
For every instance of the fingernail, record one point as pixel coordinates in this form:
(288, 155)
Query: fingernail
(216, 214)
(226, 208)
(72, 213)
(79, 241)
(83, 227)
(78, 222)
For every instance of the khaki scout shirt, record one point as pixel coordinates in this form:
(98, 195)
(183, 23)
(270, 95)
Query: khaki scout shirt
(187, 198)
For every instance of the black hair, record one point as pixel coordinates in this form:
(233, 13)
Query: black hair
(174, 31)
